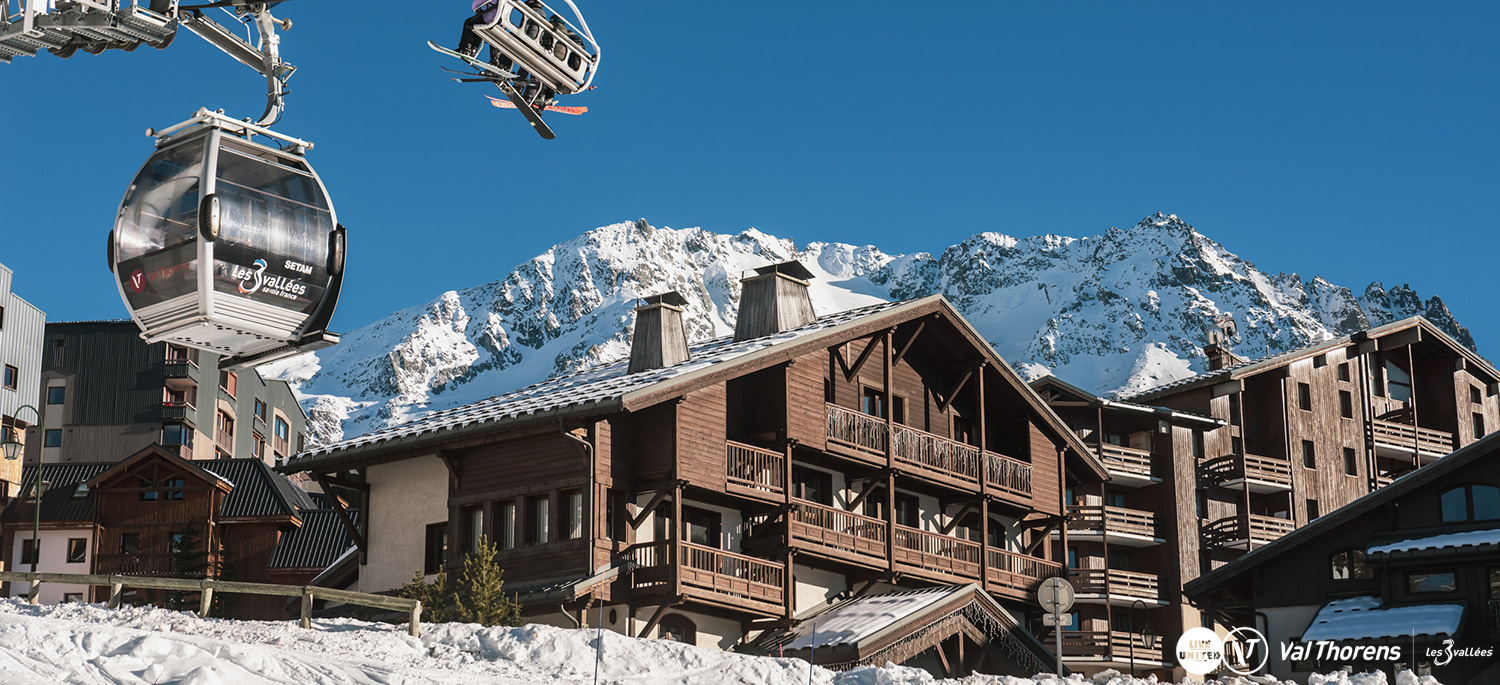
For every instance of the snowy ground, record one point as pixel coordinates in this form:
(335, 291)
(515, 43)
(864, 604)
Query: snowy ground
(82, 643)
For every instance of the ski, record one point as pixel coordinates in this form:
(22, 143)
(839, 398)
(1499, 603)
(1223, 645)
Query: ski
(485, 67)
(560, 109)
(526, 109)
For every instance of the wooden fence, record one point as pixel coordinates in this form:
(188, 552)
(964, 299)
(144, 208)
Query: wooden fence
(117, 585)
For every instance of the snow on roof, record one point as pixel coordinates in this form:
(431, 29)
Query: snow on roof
(862, 618)
(1468, 538)
(1360, 618)
(597, 386)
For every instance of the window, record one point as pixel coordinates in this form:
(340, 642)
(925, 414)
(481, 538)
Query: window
(907, 513)
(1346, 404)
(257, 445)
(1198, 450)
(1399, 381)
(260, 410)
(12, 377)
(1304, 397)
(436, 549)
(873, 402)
(130, 543)
(506, 529)
(700, 527)
(174, 494)
(1439, 581)
(874, 504)
(1351, 465)
(225, 424)
(81, 491)
(283, 431)
(1344, 371)
(28, 550)
(1309, 455)
(537, 510)
(1470, 503)
(1236, 445)
(813, 486)
(963, 430)
(898, 409)
(1234, 409)
(72, 598)
(176, 434)
(1350, 564)
(77, 547)
(1072, 557)
(474, 523)
(178, 543)
(1475, 395)
(1377, 381)
(678, 628)
(1312, 510)
(1202, 504)
(228, 382)
(148, 491)
(572, 515)
(1119, 561)
(57, 394)
(613, 529)
(1478, 425)
(52, 437)
(2, 318)
(1114, 498)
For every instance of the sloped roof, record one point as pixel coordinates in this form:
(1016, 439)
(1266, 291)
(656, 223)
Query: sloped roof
(611, 387)
(1252, 367)
(1361, 618)
(320, 541)
(1484, 448)
(1486, 538)
(258, 490)
(58, 502)
(1086, 396)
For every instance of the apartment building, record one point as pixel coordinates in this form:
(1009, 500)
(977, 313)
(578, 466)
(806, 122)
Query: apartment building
(105, 393)
(805, 471)
(21, 363)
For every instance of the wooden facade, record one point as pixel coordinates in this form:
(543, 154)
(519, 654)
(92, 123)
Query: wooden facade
(894, 450)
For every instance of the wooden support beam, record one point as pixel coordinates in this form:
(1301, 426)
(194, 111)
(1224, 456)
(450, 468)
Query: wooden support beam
(343, 515)
(901, 354)
(860, 498)
(851, 372)
(1041, 537)
(953, 522)
(655, 618)
(943, 660)
(640, 517)
(951, 394)
(342, 482)
(454, 467)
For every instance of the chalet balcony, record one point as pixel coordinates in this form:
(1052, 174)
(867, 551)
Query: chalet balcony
(180, 373)
(133, 564)
(1408, 443)
(837, 533)
(1112, 586)
(279, 444)
(224, 440)
(1243, 531)
(1127, 466)
(1116, 525)
(1017, 575)
(179, 411)
(1259, 474)
(708, 575)
(947, 461)
(1108, 646)
(754, 471)
(935, 555)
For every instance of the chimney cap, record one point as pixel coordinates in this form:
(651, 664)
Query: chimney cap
(793, 268)
(671, 297)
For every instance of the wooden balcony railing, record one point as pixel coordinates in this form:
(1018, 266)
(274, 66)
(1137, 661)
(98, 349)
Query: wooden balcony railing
(937, 553)
(1092, 581)
(179, 411)
(928, 452)
(1008, 474)
(1233, 467)
(838, 530)
(1108, 520)
(1237, 530)
(1019, 572)
(1382, 481)
(1427, 441)
(1127, 460)
(756, 468)
(225, 440)
(708, 572)
(1113, 645)
(133, 564)
(857, 429)
(278, 444)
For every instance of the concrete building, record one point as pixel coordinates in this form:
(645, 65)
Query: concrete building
(21, 360)
(105, 394)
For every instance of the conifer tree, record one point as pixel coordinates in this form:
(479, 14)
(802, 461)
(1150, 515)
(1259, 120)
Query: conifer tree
(479, 595)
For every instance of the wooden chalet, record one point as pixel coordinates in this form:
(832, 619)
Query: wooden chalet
(1410, 570)
(711, 492)
(246, 521)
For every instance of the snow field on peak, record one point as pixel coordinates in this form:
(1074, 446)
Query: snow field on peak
(88, 643)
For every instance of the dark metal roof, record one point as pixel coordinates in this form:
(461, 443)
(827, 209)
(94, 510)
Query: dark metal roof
(58, 502)
(258, 491)
(320, 541)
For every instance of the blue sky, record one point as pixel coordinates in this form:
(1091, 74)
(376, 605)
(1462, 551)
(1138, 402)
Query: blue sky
(1352, 140)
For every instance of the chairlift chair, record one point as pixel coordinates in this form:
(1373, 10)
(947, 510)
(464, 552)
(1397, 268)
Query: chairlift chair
(564, 62)
(229, 245)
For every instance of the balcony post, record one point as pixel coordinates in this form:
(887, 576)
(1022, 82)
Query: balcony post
(675, 536)
(984, 489)
(890, 463)
(789, 583)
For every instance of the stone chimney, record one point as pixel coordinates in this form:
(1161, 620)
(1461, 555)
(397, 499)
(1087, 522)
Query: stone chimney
(660, 339)
(774, 300)
(1218, 332)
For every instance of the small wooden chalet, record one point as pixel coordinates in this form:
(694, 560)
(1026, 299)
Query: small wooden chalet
(1391, 581)
(147, 515)
(715, 491)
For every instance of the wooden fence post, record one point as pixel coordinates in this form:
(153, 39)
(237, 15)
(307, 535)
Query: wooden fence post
(207, 600)
(33, 591)
(115, 592)
(307, 604)
(416, 619)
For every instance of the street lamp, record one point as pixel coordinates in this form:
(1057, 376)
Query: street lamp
(11, 445)
(36, 518)
(1132, 625)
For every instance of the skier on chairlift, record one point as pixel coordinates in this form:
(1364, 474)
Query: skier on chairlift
(484, 13)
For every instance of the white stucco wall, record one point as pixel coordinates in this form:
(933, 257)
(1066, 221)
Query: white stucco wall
(715, 632)
(814, 587)
(1284, 624)
(53, 560)
(405, 497)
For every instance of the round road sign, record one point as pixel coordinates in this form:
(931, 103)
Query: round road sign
(1055, 595)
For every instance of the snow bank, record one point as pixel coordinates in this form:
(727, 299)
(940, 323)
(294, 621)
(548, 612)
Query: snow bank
(87, 643)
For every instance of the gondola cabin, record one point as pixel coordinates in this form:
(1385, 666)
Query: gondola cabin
(229, 245)
(562, 56)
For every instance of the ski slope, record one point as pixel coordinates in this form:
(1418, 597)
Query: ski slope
(87, 643)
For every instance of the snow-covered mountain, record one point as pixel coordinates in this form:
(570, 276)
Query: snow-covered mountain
(1118, 312)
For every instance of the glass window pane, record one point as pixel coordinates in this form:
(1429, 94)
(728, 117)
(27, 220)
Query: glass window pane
(1486, 502)
(274, 232)
(1454, 506)
(1431, 582)
(156, 232)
